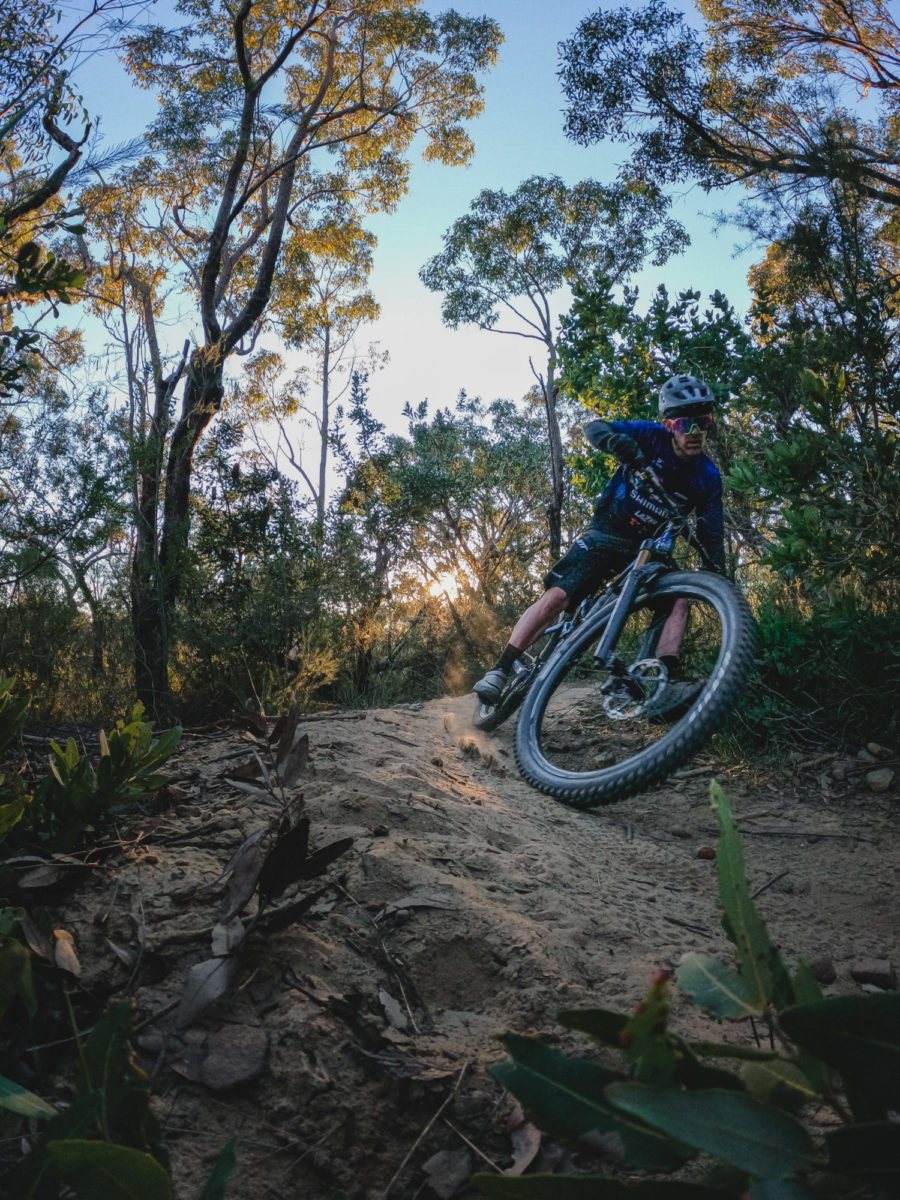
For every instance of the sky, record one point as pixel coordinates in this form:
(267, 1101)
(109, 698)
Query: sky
(519, 134)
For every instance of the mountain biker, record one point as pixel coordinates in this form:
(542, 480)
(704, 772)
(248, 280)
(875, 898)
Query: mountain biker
(623, 517)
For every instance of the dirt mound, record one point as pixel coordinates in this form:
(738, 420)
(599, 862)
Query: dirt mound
(350, 1052)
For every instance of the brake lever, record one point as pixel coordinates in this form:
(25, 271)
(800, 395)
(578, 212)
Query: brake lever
(649, 479)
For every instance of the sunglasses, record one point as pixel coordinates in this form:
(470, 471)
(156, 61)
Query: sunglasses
(703, 424)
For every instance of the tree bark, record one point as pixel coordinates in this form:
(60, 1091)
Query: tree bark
(157, 576)
(557, 466)
(323, 442)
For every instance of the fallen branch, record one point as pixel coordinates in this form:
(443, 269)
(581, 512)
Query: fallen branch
(679, 775)
(802, 833)
(817, 761)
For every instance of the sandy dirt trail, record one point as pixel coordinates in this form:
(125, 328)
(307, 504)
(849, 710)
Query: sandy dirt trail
(469, 905)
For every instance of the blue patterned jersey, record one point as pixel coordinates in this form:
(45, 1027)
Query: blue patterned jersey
(694, 483)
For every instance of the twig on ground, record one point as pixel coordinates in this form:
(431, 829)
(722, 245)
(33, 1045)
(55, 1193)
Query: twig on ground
(708, 770)
(803, 833)
(816, 761)
(424, 1133)
(481, 1154)
(687, 925)
(762, 887)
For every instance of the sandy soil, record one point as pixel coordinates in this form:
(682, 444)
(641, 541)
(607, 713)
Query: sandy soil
(352, 1047)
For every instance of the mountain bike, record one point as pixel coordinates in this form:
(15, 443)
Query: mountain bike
(600, 716)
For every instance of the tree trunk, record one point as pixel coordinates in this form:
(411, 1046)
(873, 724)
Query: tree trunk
(557, 470)
(323, 442)
(157, 579)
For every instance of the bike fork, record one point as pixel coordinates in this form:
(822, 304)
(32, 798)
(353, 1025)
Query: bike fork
(604, 655)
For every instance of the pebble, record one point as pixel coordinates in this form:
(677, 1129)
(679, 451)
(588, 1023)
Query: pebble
(823, 970)
(880, 780)
(877, 971)
(706, 852)
(879, 751)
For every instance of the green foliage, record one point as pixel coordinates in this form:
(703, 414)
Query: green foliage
(107, 1142)
(16, 980)
(669, 1102)
(711, 106)
(14, 800)
(512, 250)
(77, 796)
(37, 100)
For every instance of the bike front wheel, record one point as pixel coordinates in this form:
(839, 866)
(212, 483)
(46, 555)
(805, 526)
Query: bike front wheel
(589, 735)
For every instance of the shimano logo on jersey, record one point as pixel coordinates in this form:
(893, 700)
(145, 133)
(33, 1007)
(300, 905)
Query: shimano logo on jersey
(648, 510)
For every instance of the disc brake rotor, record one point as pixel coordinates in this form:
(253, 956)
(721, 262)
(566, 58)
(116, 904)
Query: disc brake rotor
(620, 704)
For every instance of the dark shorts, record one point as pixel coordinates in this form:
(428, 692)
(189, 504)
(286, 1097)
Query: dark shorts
(593, 558)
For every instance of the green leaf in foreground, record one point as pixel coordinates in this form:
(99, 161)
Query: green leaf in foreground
(23, 1102)
(223, 1169)
(603, 1025)
(780, 1082)
(868, 1150)
(565, 1097)
(590, 1187)
(728, 1124)
(779, 1189)
(716, 988)
(746, 926)
(96, 1169)
(860, 1035)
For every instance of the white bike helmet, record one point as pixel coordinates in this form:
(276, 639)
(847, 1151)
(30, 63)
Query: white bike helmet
(684, 395)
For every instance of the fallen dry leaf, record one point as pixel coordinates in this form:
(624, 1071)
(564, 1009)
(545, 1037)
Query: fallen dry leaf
(206, 982)
(526, 1142)
(248, 863)
(64, 952)
(235, 1054)
(394, 1012)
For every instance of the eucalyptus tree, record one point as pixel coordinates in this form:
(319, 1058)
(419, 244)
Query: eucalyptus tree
(37, 153)
(766, 92)
(268, 110)
(331, 262)
(506, 258)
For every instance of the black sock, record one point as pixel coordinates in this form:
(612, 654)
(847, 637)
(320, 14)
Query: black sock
(670, 662)
(508, 657)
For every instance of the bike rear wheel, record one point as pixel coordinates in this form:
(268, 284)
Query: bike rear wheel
(488, 716)
(589, 736)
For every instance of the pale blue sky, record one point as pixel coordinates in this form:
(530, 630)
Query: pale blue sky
(519, 134)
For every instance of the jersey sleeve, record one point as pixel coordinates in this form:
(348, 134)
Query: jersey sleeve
(622, 439)
(710, 528)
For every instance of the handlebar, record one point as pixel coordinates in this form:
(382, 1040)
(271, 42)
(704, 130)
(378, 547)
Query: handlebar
(656, 491)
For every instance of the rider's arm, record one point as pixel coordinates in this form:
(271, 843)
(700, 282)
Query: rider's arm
(710, 528)
(611, 438)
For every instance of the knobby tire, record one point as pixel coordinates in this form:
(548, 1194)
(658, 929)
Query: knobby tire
(721, 692)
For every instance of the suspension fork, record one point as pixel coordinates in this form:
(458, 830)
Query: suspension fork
(604, 655)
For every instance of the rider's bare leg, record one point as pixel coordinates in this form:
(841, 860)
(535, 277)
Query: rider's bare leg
(672, 631)
(538, 617)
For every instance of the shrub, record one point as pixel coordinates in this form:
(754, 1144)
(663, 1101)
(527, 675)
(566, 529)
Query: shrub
(670, 1101)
